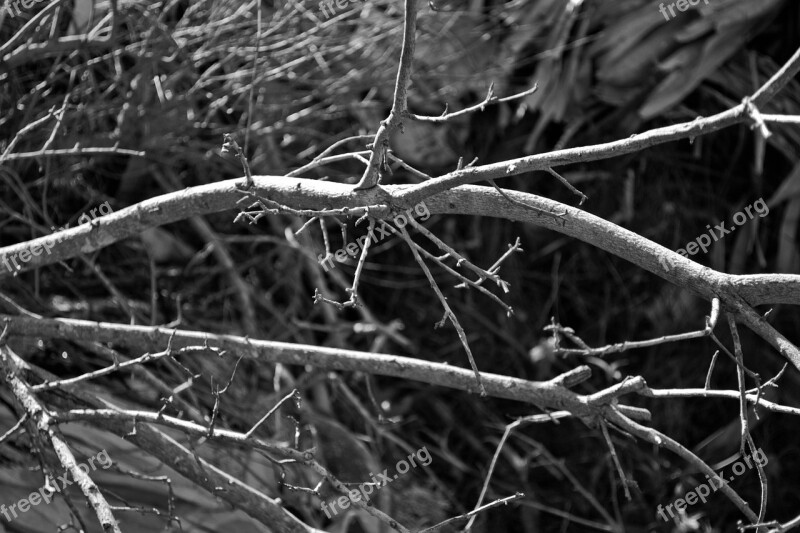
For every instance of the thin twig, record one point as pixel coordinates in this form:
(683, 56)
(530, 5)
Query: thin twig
(448, 312)
(619, 347)
(461, 260)
(294, 394)
(474, 512)
(569, 186)
(146, 358)
(490, 99)
(737, 347)
(617, 464)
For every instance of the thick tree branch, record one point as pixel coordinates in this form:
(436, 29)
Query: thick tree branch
(737, 293)
(546, 394)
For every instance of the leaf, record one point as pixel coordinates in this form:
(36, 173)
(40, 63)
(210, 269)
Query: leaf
(681, 82)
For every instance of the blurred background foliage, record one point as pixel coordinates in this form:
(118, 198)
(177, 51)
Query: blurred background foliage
(169, 78)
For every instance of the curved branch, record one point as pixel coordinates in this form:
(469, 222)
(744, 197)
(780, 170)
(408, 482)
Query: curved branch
(551, 394)
(659, 439)
(737, 293)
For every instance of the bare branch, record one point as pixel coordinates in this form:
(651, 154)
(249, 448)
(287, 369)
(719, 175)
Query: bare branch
(377, 160)
(41, 422)
(448, 313)
(738, 293)
(635, 143)
(558, 329)
(658, 438)
(490, 99)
